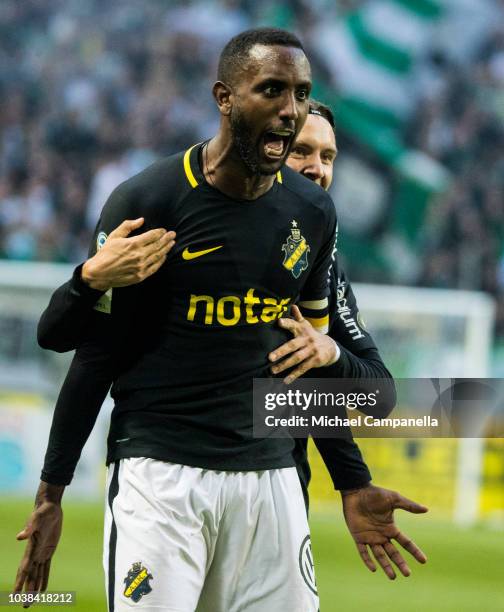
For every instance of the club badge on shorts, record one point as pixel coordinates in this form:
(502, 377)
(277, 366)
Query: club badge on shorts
(295, 251)
(137, 582)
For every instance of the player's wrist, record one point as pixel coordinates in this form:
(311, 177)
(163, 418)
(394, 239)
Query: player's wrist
(91, 277)
(355, 491)
(337, 352)
(48, 492)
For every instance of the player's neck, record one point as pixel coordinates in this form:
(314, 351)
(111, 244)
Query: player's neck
(224, 170)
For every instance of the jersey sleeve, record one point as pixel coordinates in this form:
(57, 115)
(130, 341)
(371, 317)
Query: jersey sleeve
(117, 209)
(313, 301)
(80, 399)
(347, 325)
(344, 462)
(101, 325)
(105, 346)
(63, 324)
(341, 456)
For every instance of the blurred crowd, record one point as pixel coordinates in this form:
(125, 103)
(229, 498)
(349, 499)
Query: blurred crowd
(463, 127)
(93, 92)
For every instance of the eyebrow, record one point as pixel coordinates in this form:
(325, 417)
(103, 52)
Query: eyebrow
(277, 81)
(299, 142)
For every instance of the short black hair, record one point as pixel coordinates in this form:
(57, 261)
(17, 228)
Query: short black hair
(318, 108)
(237, 50)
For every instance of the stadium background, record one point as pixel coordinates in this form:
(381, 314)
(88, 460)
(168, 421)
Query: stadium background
(92, 93)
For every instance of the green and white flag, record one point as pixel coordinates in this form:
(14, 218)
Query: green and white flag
(372, 53)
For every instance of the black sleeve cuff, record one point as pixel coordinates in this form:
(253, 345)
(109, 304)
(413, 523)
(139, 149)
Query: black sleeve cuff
(339, 369)
(344, 463)
(56, 479)
(344, 484)
(82, 291)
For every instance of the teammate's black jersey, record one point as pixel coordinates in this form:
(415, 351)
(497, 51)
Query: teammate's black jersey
(359, 358)
(190, 339)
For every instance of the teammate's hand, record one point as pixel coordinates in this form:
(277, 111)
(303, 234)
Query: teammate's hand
(309, 348)
(124, 260)
(369, 515)
(42, 531)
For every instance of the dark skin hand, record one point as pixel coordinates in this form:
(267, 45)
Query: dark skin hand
(43, 530)
(369, 514)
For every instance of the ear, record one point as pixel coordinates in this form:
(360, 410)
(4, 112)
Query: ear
(223, 95)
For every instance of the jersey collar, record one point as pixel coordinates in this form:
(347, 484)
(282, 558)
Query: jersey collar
(192, 167)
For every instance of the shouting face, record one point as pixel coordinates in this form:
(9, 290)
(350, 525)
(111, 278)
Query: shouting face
(269, 105)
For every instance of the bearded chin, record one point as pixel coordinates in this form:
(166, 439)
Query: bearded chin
(244, 145)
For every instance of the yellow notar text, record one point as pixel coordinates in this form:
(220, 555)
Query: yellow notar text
(230, 309)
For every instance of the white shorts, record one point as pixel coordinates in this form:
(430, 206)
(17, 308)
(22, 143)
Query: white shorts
(185, 539)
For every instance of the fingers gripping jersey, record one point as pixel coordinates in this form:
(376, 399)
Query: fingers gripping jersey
(200, 329)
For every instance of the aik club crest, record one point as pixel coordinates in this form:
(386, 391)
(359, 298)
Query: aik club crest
(295, 252)
(137, 582)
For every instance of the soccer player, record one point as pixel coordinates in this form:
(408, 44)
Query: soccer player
(368, 510)
(201, 515)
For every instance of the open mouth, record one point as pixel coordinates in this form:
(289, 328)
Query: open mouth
(276, 143)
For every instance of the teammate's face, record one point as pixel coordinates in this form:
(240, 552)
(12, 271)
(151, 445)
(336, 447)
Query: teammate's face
(269, 106)
(314, 151)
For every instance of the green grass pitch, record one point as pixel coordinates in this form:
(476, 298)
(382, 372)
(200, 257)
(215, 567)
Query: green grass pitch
(464, 572)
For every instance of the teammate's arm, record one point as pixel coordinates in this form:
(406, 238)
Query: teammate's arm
(340, 353)
(311, 349)
(98, 360)
(77, 408)
(123, 260)
(368, 509)
(308, 349)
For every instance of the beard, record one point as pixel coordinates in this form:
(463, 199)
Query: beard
(245, 146)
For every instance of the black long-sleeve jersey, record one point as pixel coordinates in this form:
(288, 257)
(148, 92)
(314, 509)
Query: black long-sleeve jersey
(183, 347)
(65, 324)
(73, 302)
(359, 359)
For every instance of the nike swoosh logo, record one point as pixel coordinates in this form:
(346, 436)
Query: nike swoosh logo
(187, 255)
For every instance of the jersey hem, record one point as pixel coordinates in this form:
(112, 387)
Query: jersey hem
(206, 463)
